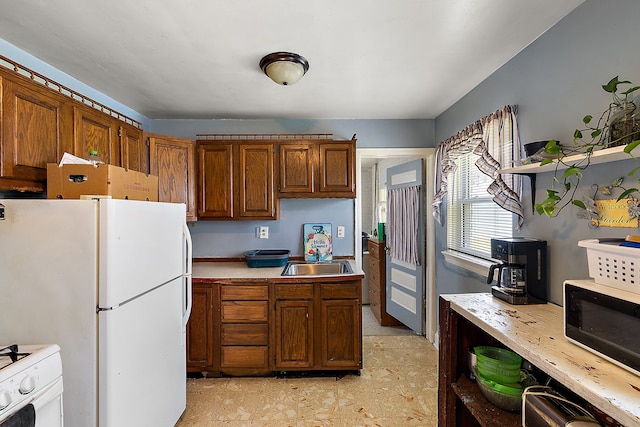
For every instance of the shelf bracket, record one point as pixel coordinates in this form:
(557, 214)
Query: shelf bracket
(532, 179)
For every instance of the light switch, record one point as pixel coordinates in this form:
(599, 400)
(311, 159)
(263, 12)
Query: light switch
(341, 232)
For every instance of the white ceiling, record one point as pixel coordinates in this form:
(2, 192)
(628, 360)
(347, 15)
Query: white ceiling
(369, 59)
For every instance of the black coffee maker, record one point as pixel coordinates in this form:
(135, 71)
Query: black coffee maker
(522, 272)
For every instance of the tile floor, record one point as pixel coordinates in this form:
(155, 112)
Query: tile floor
(396, 387)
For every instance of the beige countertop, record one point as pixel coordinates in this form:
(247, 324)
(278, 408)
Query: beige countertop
(203, 271)
(536, 333)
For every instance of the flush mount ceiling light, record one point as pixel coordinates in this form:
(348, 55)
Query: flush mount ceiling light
(284, 68)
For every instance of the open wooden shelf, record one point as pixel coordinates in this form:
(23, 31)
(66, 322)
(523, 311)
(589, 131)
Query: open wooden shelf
(606, 155)
(536, 333)
(487, 414)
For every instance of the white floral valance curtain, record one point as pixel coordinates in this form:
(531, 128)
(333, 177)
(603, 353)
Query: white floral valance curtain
(495, 139)
(403, 224)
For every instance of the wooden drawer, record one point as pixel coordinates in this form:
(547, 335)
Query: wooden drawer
(303, 291)
(376, 250)
(244, 334)
(376, 309)
(245, 357)
(244, 311)
(340, 290)
(374, 264)
(374, 271)
(374, 291)
(244, 292)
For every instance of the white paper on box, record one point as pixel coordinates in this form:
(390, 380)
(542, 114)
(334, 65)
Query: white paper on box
(70, 159)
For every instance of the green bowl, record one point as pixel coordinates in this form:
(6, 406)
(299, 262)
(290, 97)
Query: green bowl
(498, 364)
(504, 396)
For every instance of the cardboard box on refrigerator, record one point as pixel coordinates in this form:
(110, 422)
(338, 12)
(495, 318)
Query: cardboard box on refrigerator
(70, 181)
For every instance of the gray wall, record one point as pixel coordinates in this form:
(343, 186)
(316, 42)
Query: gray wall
(233, 238)
(555, 82)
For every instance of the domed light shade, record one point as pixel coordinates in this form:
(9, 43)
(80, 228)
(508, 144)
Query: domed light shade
(284, 68)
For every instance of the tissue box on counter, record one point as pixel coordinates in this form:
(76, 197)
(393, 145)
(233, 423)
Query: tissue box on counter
(70, 181)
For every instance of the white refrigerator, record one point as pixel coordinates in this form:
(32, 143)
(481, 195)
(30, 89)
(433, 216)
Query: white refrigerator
(109, 281)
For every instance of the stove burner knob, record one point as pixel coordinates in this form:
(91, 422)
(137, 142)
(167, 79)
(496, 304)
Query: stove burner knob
(27, 384)
(5, 399)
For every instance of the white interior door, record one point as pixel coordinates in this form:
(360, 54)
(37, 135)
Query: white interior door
(405, 284)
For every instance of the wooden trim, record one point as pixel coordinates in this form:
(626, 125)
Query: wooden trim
(261, 136)
(27, 73)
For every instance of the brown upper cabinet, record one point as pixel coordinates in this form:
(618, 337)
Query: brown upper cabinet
(297, 162)
(37, 128)
(317, 168)
(215, 181)
(256, 182)
(94, 130)
(116, 142)
(39, 124)
(172, 160)
(135, 153)
(236, 180)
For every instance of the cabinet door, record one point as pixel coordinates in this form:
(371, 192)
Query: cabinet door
(340, 343)
(215, 167)
(294, 334)
(200, 334)
(96, 131)
(337, 169)
(134, 155)
(297, 163)
(172, 161)
(255, 183)
(36, 129)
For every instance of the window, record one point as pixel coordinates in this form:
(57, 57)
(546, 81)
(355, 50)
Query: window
(473, 218)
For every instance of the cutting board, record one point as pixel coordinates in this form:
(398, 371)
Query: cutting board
(317, 242)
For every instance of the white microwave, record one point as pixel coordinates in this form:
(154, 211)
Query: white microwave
(603, 320)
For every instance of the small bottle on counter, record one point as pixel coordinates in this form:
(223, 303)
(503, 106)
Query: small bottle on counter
(94, 158)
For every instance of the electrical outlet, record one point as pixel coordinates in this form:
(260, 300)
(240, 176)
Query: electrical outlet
(341, 232)
(263, 232)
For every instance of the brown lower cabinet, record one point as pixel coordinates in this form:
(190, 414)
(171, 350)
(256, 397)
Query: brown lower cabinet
(256, 329)
(201, 334)
(340, 328)
(244, 325)
(294, 337)
(378, 283)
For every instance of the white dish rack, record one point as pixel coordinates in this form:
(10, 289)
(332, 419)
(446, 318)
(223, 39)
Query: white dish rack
(613, 265)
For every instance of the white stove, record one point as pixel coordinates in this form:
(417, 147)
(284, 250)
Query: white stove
(30, 386)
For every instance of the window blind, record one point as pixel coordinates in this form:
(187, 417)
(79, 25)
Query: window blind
(473, 219)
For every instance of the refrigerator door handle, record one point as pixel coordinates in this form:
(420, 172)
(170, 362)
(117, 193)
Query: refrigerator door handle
(187, 276)
(189, 248)
(188, 298)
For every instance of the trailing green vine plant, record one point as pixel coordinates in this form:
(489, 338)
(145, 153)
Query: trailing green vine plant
(610, 130)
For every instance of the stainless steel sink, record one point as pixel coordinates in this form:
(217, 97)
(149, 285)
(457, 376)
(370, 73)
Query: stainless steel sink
(301, 268)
